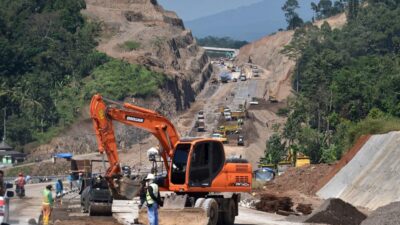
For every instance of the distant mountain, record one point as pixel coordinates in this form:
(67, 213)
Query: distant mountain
(247, 22)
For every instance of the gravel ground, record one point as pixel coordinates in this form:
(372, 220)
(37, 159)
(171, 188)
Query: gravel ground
(385, 215)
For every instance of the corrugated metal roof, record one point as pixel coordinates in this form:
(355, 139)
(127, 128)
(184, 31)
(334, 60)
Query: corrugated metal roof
(11, 153)
(5, 146)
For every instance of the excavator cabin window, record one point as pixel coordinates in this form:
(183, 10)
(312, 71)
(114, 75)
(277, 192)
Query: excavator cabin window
(179, 163)
(206, 162)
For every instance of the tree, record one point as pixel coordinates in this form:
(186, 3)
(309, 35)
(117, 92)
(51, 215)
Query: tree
(275, 149)
(327, 8)
(292, 18)
(353, 6)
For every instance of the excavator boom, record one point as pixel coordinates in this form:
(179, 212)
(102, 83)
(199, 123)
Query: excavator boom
(103, 115)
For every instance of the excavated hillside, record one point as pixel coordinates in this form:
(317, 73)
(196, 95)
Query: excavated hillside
(266, 53)
(162, 44)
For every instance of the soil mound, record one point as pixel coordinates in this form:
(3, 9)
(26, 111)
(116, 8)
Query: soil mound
(273, 203)
(337, 212)
(385, 215)
(303, 179)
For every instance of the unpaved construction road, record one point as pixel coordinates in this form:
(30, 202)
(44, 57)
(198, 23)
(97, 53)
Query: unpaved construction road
(22, 210)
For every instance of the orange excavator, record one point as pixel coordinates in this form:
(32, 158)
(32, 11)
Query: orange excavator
(201, 179)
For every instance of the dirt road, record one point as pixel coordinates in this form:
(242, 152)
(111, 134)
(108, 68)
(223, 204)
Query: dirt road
(23, 210)
(253, 217)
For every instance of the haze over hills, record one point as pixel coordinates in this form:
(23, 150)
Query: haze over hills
(246, 22)
(195, 9)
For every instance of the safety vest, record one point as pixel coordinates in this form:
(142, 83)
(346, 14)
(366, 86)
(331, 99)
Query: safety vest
(47, 197)
(149, 199)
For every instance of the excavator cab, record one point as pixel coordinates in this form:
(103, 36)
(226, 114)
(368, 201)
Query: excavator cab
(196, 163)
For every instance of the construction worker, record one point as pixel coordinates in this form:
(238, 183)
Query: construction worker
(59, 191)
(47, 204)
(153, 200)
(20, 185)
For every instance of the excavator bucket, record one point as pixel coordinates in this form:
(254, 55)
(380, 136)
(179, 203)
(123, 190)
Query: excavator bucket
(187, 216)
(126, 188)
(129, 188)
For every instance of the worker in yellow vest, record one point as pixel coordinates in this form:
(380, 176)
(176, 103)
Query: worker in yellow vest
(47, 204)
(153, 199)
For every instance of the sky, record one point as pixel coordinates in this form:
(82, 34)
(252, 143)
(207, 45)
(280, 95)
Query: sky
(193, 9)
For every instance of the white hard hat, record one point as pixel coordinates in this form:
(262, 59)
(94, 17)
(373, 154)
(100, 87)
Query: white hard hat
(150, 176)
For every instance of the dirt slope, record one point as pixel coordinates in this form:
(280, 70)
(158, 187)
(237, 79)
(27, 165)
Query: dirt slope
(163, 46)
(266, 53)
(163, 43)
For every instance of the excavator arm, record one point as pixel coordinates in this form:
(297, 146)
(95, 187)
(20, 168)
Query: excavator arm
(103, 111)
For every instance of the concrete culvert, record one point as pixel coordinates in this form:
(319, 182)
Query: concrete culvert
(336, 212)
(385, 215)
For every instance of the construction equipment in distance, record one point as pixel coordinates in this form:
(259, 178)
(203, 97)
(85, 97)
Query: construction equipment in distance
(205, 183)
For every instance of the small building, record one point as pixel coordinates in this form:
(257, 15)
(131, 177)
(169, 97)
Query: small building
(8, 156)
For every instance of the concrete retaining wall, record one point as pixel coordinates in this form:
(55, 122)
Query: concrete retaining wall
(372, 178)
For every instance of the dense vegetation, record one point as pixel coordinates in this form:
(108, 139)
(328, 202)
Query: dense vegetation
(322, 9)
(347, 82)
(221, 42)
(47, 52)
(326, 8)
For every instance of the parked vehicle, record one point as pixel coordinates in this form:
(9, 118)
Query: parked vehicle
(220, 137)
(254, 101)
(240, 141)
(228, 116)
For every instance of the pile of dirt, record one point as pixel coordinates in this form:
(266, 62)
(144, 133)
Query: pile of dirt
(385, 215)
(305, 209)
(272, 203)
(302, 179)
(337, 212)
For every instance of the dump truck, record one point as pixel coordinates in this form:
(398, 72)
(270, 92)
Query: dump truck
(228, 128)
(238, 115)
(205, 185)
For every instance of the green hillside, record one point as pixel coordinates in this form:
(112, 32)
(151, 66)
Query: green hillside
(49, 68)
(346, 81)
